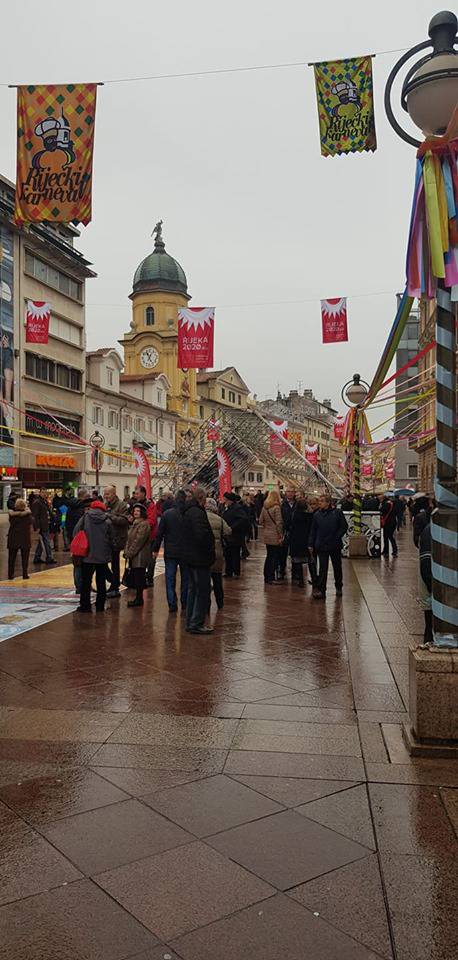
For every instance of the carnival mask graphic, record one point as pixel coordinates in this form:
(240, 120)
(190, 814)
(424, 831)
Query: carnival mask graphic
(349, 103)
(55, 132)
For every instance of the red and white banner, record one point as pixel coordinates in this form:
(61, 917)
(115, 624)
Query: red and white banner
(366, 469)
(280, 433)
(389, 470)
(334, 320)
(38, 315)
(311, 454)
(196, 327)
(224, 471)
(213, 430)
(143, 470)
(339, 428)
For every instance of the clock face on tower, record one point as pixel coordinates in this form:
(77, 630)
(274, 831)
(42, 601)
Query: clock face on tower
(149, 358)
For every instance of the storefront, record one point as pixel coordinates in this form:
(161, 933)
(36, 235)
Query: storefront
(52, 472)
(9, 483)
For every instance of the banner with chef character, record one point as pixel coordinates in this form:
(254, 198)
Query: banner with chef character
(195, 337)
(339, 428)
(38, 314)
(224, 471)
(143, 471)
(345, 106)
(213, 430)
(334, 320)
(55, 140)
(280, 433)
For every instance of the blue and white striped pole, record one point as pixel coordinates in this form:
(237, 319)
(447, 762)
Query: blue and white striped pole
(444, 522)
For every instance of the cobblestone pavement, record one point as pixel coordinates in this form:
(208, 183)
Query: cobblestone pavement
(246, 795)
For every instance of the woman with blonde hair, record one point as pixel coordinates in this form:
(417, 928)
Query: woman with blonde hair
(271, 524)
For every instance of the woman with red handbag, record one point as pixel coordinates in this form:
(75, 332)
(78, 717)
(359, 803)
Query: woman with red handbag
(93, 543)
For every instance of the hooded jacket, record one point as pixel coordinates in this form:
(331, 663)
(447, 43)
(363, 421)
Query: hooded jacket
(20, 530)
(198, 539)
(99, 531)
(236, 518)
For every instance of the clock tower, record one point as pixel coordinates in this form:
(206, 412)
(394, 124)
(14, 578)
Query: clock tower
(151, 346)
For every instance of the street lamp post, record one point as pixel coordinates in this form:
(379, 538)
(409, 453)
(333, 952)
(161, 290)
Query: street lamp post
(353, 395)
(430, 95)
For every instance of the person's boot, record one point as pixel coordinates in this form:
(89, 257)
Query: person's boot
(428, 634)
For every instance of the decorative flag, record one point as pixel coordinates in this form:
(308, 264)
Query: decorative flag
(311, 454)
(224, 471)
(143, 470)
(340, 465)
(213, 430)
(389, 469)
(195, 337)
(345, 106)
(334, 320)
(280, 433)
(339, 427)
(38, 314)
(366, 469)
(55, 139)
(296, 440)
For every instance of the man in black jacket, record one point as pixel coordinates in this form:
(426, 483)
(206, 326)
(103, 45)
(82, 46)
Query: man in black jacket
(236, 518)
(328, 527)
(199, 556)
(288, 509)
(171, 532)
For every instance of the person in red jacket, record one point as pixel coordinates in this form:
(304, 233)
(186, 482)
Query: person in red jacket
(139, 496)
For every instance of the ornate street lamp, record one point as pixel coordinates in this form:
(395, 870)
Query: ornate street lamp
(430, 96)
(353, 395)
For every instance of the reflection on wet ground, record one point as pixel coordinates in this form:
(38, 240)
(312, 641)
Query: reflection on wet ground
(243, 794)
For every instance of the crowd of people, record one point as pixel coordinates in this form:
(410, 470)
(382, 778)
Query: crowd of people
(203, 541)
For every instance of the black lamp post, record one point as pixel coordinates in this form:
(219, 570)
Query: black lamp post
(430, 96)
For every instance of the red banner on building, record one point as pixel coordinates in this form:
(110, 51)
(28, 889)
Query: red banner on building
(280, 433)
(143, 470)
(196, 327)
(224, 471)
(311, 454)
(334, 320)
(38, 314)
(339, 427)
(213, 430)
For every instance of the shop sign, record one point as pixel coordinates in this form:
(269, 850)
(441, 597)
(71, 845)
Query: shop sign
(8, 473)
(45, 426)
(55, 460)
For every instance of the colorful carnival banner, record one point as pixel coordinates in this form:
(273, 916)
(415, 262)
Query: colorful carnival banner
(196, 327)
(345, 106)
(296, 439)
(311, 454)
(339, 427)
(37, 317)
(6, 345)
(224, 471)
(280, 433)
(366, 469)
(334, 320)
(55, 140)
(142, 468)
(213, 430)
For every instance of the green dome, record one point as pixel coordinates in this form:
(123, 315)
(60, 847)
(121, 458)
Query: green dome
(159, 271)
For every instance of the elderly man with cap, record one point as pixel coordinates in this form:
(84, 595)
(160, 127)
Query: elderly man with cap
(236, 518)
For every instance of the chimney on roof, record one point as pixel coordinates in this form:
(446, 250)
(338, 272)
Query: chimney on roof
(327, 403)
(308, 394)
(293, 393)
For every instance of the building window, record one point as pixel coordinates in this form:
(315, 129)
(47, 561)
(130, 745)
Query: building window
(171, 431)
(127, 423)
(223, 393)
(149, 317)
(159, 397)
(113, 420)
(110, 373)
(65, 331)
(139, 425)
(231, 396)
(52, 277)
(48, 371)
(97, 416)
(201, 412)
(112, 460)
(161, 428)
(259, 478)
(239, 400)
(150, 426)
(412, 471)
(251, 478)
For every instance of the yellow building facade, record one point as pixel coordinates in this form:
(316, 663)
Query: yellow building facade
(151, 346)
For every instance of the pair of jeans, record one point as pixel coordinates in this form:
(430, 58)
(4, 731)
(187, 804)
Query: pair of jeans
(87, 572)
(171, 569)
(114, 575)
(271, 562)
(44, 542)
(12, 554)
(217, 581)
(388, 537)
(324, 556)
(198, 597)
(232, 557)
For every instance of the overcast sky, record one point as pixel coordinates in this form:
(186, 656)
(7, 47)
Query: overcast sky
(232, 165)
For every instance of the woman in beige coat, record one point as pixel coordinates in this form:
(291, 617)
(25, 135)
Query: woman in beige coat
(138, 552)
(221, 532)
(271, 525)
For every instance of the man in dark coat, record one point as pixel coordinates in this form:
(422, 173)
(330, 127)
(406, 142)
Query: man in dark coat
(41, 516)
(171, 533)
(199, 556)
(328, 527)
(388, 524)
(118, 513)
(236, 518)
(288, 509)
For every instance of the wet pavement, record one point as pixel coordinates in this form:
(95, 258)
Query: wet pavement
(244, 795)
